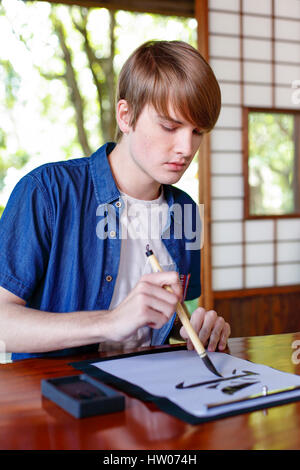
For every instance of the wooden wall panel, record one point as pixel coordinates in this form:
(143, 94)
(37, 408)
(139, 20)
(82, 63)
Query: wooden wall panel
(263, 314)
(255, 263)
(247, 40)
(206, 299)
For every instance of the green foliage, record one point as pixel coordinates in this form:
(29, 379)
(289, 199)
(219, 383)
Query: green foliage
(2, 139)
(11, 80)
(46, 103)
(58, 71)
(17, 160)
(3, 170)
(271, 163)
(1, 210)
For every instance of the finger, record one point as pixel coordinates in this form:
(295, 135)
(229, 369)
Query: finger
(145, 288)
(156, 319)
(177, 289)
(161, 278)
(216, 334)
(197, 319)
(165, 278)
(224, 337)
(159, 292)
(207, 326)
(189, 343)
(159, 305)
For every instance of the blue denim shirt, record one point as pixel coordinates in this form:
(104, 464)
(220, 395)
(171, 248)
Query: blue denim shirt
(57, 252)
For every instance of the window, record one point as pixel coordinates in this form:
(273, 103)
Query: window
(271, 163)
(58, 70)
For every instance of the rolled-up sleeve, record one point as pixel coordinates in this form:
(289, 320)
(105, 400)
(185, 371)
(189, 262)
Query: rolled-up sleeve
(25, 237)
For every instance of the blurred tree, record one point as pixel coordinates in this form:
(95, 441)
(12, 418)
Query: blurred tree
(100, 61)
(58, 72)
(101, 68)
(69, 76)
(11, 81)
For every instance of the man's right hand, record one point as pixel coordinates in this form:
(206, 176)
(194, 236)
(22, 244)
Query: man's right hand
(148, 304)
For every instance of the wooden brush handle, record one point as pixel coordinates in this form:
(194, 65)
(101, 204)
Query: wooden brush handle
(181, 313)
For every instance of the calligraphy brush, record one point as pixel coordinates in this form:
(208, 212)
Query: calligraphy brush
(184, 319)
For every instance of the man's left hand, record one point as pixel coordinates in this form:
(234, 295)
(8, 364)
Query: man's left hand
(212, 329)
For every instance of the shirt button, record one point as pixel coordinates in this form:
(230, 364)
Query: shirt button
(118, 204)
(108, 278)
(112, 234)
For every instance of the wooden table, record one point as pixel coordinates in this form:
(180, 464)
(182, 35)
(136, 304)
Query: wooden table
(29, 421)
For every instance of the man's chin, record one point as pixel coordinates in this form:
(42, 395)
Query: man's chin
(172, 178)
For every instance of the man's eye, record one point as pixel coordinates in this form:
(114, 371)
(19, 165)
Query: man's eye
(168, 129)
(196, 132)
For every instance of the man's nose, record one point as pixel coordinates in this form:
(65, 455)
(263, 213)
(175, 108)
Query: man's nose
(184, 144)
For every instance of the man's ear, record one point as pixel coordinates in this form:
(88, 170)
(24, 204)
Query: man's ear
(123, 116)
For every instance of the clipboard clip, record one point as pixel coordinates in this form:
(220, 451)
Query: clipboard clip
(264, 393)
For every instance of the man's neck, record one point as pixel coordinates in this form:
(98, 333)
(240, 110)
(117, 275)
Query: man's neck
(129, 178)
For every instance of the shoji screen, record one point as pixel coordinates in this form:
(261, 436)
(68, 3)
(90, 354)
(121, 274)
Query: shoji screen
(255, 53)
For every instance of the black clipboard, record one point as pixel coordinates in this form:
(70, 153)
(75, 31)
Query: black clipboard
(165, 404)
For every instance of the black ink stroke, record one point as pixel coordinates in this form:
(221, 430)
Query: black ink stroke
(231, 389)
(181, 385)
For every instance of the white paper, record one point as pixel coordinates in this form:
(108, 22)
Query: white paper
(159, 374)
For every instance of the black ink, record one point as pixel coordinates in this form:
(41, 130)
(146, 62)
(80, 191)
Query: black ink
(231, 389)
(213, 386)
(206, 360)
(181, 385)
(86, 395)
(233, 372)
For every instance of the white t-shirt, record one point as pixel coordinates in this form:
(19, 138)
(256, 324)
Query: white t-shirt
(141, 223)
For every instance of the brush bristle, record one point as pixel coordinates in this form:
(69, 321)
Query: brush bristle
(210, 366)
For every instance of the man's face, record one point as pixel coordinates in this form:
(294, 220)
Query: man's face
(163, 147)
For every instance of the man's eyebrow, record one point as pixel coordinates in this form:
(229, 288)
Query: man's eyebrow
(167, 118)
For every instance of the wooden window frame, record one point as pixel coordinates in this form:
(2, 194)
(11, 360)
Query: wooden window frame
(245, 113)
(183, 8)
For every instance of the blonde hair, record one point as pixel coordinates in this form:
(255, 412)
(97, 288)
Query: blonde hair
(164, 72)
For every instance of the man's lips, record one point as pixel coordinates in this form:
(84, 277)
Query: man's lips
(175, 166)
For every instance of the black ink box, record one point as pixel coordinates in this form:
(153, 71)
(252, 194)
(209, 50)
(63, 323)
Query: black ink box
(82, 396)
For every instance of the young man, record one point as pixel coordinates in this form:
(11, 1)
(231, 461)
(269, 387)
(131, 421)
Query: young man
(73, 270)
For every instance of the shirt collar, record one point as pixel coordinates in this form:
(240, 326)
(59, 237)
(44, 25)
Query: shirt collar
(105, 187)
